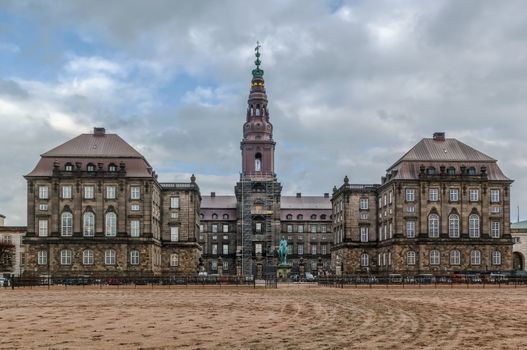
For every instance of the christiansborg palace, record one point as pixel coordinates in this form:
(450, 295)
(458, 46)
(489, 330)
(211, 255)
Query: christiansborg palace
(95, 207)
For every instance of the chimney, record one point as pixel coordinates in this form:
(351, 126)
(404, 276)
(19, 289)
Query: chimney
(299, 195)
(2, 218)
(326, 195)
(99, 131)
(439, 136)
(213, 194)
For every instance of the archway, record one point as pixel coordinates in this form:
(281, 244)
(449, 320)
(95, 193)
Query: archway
(518, 261)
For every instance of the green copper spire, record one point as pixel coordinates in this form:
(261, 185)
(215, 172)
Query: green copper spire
(257, 73)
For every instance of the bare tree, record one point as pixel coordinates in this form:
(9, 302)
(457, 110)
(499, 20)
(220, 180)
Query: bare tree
(7, 252)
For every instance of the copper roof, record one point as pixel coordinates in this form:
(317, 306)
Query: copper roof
(305, 202)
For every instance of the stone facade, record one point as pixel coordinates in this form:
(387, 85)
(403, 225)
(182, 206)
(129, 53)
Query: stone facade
(519, 235)
(12, 260)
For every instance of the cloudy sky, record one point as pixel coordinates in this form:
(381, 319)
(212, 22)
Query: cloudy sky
(352, 85)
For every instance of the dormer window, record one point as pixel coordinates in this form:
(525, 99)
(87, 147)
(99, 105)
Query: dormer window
(431, 171)
(68, 167)
(214, 216)
(90, 167)
(258, 162)
(471, 171)
(451, 171)
(112, 168)
(289, 217)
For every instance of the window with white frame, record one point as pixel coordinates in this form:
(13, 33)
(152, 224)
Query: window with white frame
(214, 228)
(66, 192)
(225, 249)
(258, 227)
(66, 224)
(363, 204)
(323, 249)
(435, 257)
(110, 224)
(473, 226)
(495, 209)
(135, 207)
(385, 199)
(433, 194)
(214, 264)
(65, 257)
(300, 229)
(89, 192)
(225, 265)
(109, 257)
(289, 228)
(410, 258)
(433, 225)
(225, 228)
(43, 192)
(313, 228)
(214, 249)
(135, 192)
(494, 196)
(364, 234)
(42, 257)
(410, 209)
(364, 216)
(174, 260)
(313, 249)
(87, 257)
(42, 207)
(410, 195)
(496, 258)
(42, 228)
(364, 260)
(174, 202)
(135, 230)
(258, 248)
(174, 234)
(323, 228)
(473, 194)
(390, 230)
(475, 257)
(453, 225)
(174, 215)
(201, 228)
(454, 195)
(410, 229)
(390, 197)
(495, 229)
(88, 228)
(455, 257)
(300, 249)
(134, 257)
(110, 192)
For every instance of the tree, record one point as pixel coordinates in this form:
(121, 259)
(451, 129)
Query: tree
(7, 252)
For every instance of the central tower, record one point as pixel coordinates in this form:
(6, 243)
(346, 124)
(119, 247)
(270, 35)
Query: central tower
(258, 191)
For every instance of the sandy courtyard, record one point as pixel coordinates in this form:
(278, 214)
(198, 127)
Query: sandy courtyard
(291, 317)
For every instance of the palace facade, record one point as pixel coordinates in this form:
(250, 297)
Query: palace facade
(95, 207)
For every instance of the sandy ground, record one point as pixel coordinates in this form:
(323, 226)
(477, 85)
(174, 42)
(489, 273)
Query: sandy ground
(290, 317)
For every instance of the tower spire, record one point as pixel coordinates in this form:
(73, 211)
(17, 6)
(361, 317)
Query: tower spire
(257, 73)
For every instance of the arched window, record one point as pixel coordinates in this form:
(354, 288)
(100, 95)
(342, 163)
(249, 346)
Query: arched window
(214, 216)
(473, 226)
(496, 258)
(225, 216)
(90, 167)
(475, 257)
(174, 260)
(410, 258)
(109, 257)
(201, 216)
(435, 257)
(111, 224)
(433, 225)
(300, 217)
(453, 225)
(313, 217)
(66, 224)
(112, 168)
(471, 171)
(42, 257)
(323, 217)
(455, 257)
(65, 257)
(87, 257)
(431, 170)
(134, 257)
(89, 224)
(364, 260)
(258, 162)
(451, 171)
(257, 111)
(68, 167)
(289, 217)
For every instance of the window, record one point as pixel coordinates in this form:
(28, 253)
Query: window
(323, 228)
(494, 209)
(66, 192)
(454, 195)
(258, 162)
(410, 229)
(363, 203)
(201, 228)
(109, 257)
(134, 257)
(453, 225)
(174, 202)
(43, 192)
(390, 229)
(313, 217)
(214, 249)
(364, 260)
(111, 224)
(87, 257)
(433, 195)
(214, 237)
(300, 229)
(473, 226)
(323, 249)
(214, 264)
(258, 248)
(135, 230)
(435, 257)
(66, 224)
(474, 195)
(43, 207)
(313, 249)
(433, 225)
(471, 171)
(90, 167)
(225, 250)
(385, 199)
(225, 216)
(42, 257)
(313, 228)
(300, 249)
(289, 228)
(135, 207)
(89, 224)
(431, 170)
(323, 217)
(88, 192)
(390, 197)
(451, 171)
(289, 217)
(475, 257)
(112, 168)
(410, 195)
(214, 216)
(410, 209)
(225, 265)
(174, 260)
(110, 192)
(174, 234)
(65, 257)
(455, 257)
(410, 258)
(225, 228)
(300, 217)
(495, 231)
(494, 196)
(364, 215)
(214, 228)
(135, 192)
(258, 227)
(42, 228)
(68, 167)
(496, 258)
(364, 234)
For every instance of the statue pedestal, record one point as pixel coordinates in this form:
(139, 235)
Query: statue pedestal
(283, 272)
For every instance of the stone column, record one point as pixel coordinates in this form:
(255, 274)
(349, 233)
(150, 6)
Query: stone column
(220, 266)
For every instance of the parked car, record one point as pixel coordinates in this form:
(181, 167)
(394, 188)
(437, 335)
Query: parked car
(310, 277)
(4, 282)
